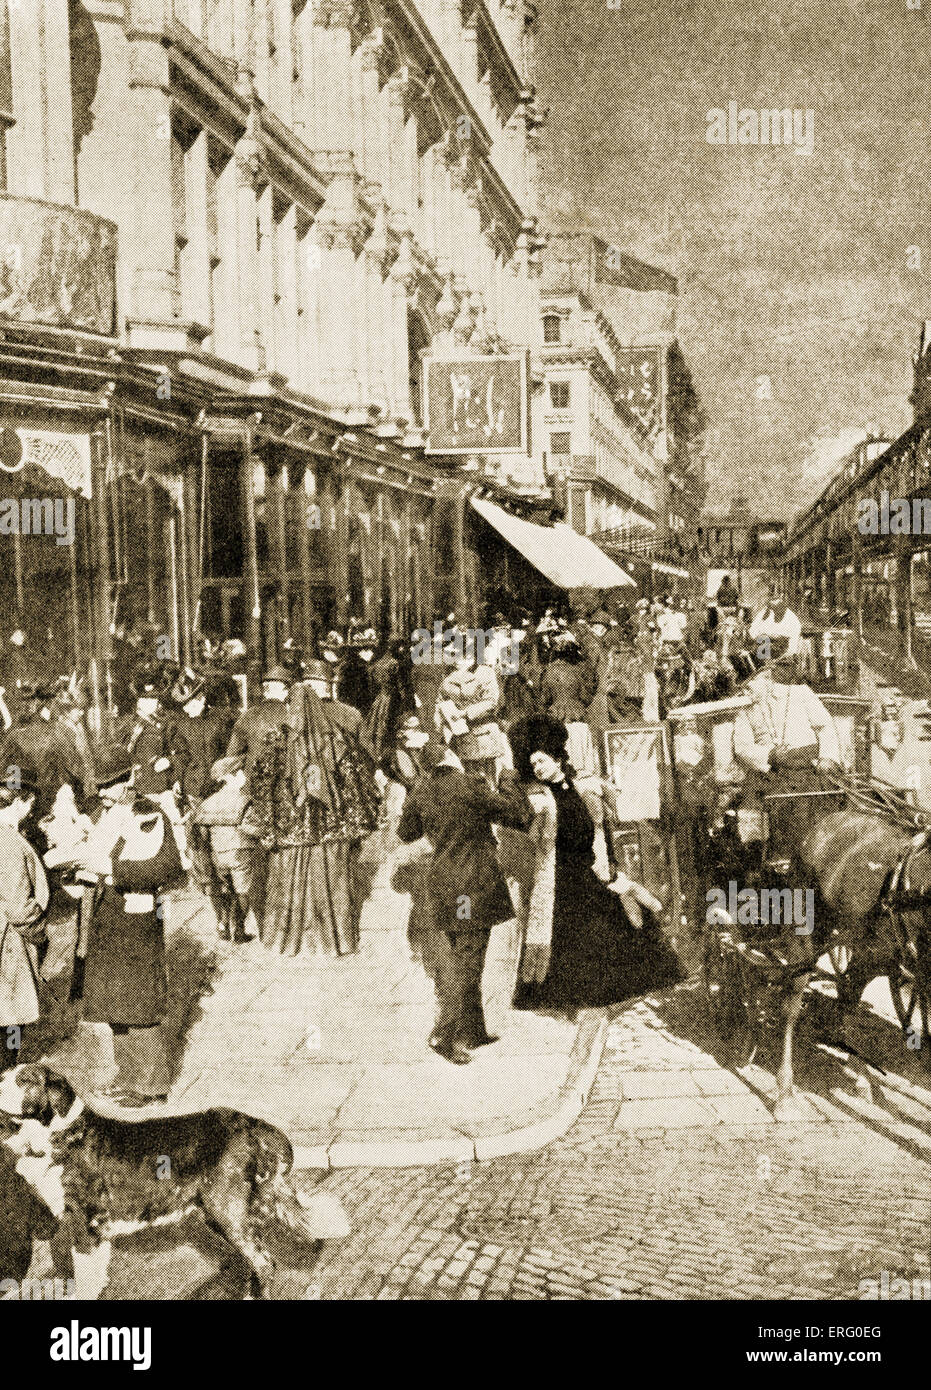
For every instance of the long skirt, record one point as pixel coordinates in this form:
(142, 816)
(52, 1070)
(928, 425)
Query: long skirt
(597, 958)
(311, 900)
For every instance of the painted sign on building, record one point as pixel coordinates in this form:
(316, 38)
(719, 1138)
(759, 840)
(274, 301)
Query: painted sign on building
(640, 383)
(57, 266)
(477, 405)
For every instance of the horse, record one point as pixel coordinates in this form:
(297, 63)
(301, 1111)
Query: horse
(871, 875)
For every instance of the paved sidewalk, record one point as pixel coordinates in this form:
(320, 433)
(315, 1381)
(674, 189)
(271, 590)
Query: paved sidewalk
(334, 1050)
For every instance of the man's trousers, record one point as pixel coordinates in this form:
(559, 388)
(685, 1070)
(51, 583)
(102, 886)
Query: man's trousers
(460, 1017)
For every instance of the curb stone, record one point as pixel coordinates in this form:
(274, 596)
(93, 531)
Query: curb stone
(376, 1152)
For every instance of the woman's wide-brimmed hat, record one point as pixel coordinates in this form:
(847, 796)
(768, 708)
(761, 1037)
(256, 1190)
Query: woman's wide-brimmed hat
(148, 684)
(188, 686)
(537, 733)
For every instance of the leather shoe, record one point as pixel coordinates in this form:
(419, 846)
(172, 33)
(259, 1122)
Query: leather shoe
(479, 1040)
(452, 1052)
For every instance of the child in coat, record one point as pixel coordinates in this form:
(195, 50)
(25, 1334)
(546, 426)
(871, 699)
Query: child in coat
(222, 815)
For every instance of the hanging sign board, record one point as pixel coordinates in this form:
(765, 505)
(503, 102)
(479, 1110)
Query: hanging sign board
(477, 404)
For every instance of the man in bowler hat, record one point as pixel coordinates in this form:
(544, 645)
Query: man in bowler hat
(467, 891)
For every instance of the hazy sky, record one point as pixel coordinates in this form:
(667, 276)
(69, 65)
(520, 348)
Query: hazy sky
(790, 267)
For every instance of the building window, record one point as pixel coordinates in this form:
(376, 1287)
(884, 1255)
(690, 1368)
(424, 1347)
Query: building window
(552, 328)
(418, 341)
(182, 138)
(559, 395)
(560, 444)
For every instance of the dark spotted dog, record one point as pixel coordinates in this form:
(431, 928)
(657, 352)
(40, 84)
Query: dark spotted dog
(101, 1177)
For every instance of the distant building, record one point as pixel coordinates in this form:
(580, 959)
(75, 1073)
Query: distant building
(629, 464)
(599, 459)
(745, 547)
(921, 362)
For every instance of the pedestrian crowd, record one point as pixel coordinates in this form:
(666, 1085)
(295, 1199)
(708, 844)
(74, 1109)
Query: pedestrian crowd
(491, 749)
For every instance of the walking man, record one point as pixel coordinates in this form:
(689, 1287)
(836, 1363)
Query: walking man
(467, 891)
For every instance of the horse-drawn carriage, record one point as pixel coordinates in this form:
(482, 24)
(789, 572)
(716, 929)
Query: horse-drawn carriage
(757, 939)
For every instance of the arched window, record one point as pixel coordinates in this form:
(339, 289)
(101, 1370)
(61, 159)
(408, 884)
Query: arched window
(552, 328)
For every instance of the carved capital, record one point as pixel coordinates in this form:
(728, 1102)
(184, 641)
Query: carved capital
(404, 271)
(373, 50)
(473, 191)
(342, 236)
(335, 14)
(378, 248)
(398, 88)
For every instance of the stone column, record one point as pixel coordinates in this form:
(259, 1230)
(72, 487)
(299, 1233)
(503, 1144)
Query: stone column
(198, 250)
(303, 117)
(341, 230)
(281, 84)
(251, 178)
(403, 280)
(40, 143)
(266, 277)
(377, 258)
(251, 348)
(398, 189)
(286, 359)
(373, 152)
(332, 86)
(151, 243)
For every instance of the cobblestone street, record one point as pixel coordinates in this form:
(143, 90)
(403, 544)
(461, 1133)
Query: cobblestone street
(674, 1183)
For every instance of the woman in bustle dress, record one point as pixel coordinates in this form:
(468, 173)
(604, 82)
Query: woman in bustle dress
(314, 798)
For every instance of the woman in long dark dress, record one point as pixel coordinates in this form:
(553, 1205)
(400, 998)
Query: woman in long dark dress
(596, 956)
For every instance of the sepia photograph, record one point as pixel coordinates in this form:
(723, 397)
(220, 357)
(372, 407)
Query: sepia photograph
(465, 667)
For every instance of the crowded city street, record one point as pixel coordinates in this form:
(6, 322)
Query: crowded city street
(465, 669)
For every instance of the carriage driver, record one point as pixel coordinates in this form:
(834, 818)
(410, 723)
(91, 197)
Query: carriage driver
(788, 743)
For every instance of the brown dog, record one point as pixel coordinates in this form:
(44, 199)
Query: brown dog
(101, 1177)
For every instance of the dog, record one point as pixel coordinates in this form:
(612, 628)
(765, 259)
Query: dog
(103, 1177)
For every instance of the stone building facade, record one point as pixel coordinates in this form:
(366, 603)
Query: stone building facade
(270, 210)
(606, 475)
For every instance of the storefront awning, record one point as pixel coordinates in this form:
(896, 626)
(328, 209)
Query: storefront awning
(662, 568)
(568, 560)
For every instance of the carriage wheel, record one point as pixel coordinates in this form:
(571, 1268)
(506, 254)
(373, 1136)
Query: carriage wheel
(729, 1000)
(910, 986)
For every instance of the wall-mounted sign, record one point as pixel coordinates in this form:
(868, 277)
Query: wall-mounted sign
(477, 405)
(57, 266)
(639, 374)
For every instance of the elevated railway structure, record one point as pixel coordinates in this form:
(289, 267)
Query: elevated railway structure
(864, 545)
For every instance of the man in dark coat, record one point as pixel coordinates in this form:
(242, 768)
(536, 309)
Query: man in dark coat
(199, 735)
(268, 715)
(150, 744)
(467, 891)
(39, 748)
